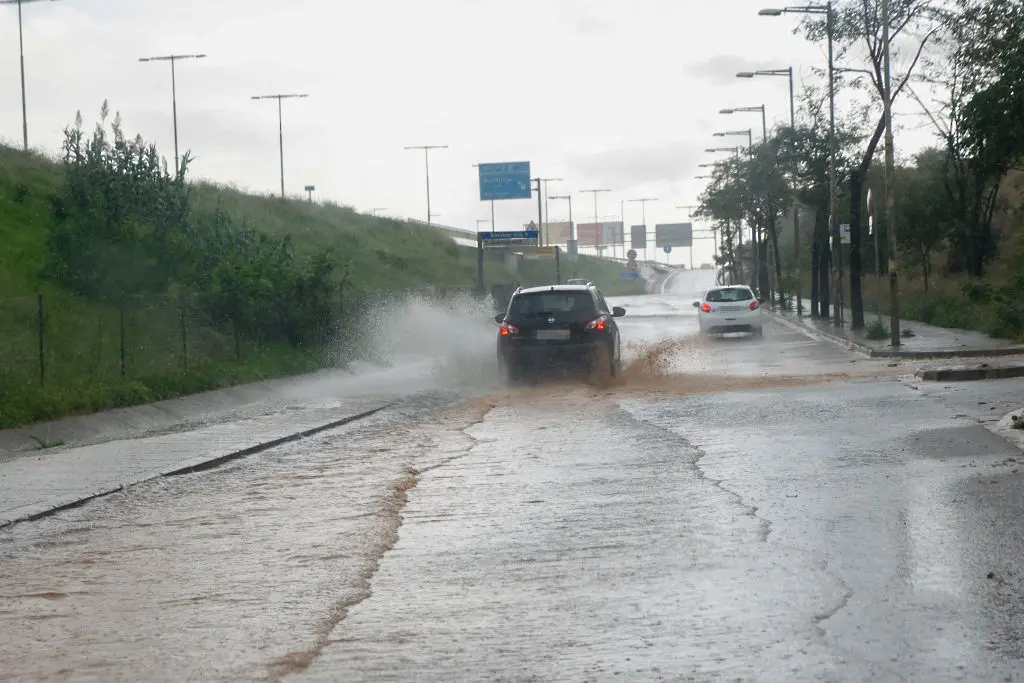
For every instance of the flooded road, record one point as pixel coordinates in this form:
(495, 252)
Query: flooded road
(732, 510)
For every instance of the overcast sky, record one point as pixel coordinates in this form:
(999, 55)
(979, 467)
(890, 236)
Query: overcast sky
(619, 94)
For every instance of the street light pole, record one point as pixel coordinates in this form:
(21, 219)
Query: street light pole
(595, 192)
(21, 55)
(426, 158)
(890, 196)
(788, 72)
(280, 124)
(764, 118)
(174, 96)
(827, 10)
(546, 219)
(572, 227)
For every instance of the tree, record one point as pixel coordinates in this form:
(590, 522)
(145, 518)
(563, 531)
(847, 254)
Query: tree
(984, 128)
(923, 212)
(858, 34)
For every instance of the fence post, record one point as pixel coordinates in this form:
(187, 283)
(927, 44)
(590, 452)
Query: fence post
(42, 339)
(184, 336)
(121, 309)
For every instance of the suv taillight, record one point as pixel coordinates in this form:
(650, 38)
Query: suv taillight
(706, 308)
(509, 330)
(598, 324)
(754, 305)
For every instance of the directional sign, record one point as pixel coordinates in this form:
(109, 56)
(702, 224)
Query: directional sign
(507, 180)
(638, 236)
(629, 276)
(673, 235)
(540, 253)
(513, 235)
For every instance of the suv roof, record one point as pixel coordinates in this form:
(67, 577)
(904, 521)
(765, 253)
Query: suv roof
(555, 288)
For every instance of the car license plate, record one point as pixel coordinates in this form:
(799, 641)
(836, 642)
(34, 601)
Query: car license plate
(725, 309)
(553, 334)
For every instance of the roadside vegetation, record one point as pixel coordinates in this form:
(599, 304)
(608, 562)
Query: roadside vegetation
(959, 205)
(123, 283)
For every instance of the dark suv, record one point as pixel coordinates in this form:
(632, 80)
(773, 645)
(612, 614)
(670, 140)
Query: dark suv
(568, 326)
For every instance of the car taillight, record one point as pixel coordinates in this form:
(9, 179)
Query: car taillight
(754, 305)
(598, 324)
(706, 308)
(509, 330)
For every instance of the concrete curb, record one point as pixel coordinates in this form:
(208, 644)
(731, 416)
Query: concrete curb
(970, 374)
(818, 334)
(197, 465)
(872, 352)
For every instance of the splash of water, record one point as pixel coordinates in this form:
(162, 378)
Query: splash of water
(453, 337)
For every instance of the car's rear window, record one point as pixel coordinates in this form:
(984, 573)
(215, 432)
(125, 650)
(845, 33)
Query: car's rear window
(561, 304)
(738, 294)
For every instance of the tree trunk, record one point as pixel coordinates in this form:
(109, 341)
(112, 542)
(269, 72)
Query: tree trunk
(824, 274)
(774, 236)
(857, 177)
(821, 230)
(814, 276)
(856, 263)
(926, 267)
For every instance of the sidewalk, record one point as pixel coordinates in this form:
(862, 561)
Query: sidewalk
(928, 341)
(35, 486)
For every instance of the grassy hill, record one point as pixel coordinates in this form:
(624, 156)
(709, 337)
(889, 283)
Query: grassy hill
(63, 353)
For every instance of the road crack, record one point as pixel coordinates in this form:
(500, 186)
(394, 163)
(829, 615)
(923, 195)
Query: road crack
(388, 522)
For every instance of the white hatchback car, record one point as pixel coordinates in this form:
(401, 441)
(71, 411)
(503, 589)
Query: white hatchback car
(729, 309)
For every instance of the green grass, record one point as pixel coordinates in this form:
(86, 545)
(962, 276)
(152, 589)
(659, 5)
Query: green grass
(82, 338)
(605, 274)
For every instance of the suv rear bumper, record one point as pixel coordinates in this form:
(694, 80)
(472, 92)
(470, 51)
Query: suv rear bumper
(539, 355)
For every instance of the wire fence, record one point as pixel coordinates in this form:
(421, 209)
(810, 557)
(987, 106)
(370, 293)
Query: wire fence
(50, 339)
(57, 339)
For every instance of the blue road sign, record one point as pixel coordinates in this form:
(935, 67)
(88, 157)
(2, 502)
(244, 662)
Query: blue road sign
(668, 250)
(629, 276)
(514, 235)
(507, 180)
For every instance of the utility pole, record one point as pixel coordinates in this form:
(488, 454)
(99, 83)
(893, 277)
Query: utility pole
(174, 96)
(280, 125)
(572, 227)
(596, 224)
(540, 214)
(890, 194)
(21, 54)
(426, 157)
(820, 262)
(543, 226)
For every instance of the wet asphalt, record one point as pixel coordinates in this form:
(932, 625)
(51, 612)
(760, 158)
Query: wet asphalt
(770, 510)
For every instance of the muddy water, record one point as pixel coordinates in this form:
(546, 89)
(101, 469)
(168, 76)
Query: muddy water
(235, 574)
(243, 573)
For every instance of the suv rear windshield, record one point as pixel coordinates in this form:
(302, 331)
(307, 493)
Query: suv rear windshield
(739, 294)
(564, 305)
